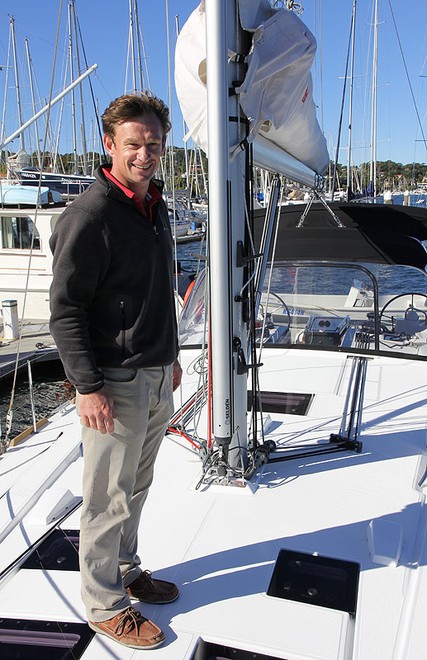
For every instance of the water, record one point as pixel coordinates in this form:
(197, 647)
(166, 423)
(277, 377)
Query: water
(392, 280)
(415, 199)
(51, 389)
(189, 254)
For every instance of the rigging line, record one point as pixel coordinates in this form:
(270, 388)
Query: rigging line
(407, 75)
(203, 383)
(270, 277)
(98, 123)
(141, 46)
(6, 87)
(246, 284)
(5, 443)
(251, 270)
(342, 104)
(192, 408)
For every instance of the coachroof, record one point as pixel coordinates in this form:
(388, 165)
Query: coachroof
(371, 233)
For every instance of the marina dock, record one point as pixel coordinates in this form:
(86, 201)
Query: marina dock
(34, 343)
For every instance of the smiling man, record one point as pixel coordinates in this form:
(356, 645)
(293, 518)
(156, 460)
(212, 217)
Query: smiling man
(113, 320)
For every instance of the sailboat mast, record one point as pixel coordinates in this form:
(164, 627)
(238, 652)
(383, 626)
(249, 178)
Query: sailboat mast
(82, 109)
(373, 165)
(73, 99)
(228, 330)
(350, 105)
(18, 90)
(33, 101)
(136, 53)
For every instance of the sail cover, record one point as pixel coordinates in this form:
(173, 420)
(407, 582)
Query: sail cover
(276, 94)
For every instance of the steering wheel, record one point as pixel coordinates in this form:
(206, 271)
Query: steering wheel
(411, 307)
(285, 307)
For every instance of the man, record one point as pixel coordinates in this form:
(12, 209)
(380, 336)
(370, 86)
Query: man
(113, 320)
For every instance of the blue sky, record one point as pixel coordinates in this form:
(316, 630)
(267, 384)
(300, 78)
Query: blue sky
(104, 26)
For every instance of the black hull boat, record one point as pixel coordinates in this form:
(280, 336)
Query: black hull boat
(69, 185)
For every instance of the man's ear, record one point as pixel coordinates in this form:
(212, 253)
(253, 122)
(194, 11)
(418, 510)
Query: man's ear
(108, 144)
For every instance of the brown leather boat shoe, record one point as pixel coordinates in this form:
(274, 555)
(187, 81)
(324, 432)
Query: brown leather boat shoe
(149, 590)
(131, 629)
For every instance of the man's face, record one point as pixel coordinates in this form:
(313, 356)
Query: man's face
(136, 150)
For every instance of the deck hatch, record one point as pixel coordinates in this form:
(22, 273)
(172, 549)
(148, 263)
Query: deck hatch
(59, 551)
(210, 651)
(291, 403)
(316, 580)
(44, 640)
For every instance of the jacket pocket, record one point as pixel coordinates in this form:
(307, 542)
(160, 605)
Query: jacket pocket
(119, 374)
(120, 306)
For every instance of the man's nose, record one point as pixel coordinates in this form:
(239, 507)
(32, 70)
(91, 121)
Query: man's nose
(143, 151)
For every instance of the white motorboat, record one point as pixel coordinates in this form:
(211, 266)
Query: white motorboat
(289, 494)
(27, 218)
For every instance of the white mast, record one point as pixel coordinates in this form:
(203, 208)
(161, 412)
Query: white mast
(350, 106)
(18, 91)
(136, 57)
(73, 101)
(226, 229)
(373, 165)
(131, 49)
(82, 108)
(33, 101)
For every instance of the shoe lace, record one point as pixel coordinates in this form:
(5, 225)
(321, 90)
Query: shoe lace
(129, 620)
(146, 576)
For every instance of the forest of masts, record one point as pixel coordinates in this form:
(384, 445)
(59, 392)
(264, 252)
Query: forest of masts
(190, 170)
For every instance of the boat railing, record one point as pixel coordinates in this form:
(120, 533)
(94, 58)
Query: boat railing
(344, 307)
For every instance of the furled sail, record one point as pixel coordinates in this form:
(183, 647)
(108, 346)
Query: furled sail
(276, 94)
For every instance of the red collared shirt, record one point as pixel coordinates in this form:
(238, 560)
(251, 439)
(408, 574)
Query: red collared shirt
(144, 206)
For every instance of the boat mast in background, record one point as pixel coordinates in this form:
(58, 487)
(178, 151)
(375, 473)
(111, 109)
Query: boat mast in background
(74, 53)
(33, 101)
(350, 105)
(137, 78)
(373, 161)
(17, 87)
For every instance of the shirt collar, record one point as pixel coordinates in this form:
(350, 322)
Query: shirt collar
(153, 194)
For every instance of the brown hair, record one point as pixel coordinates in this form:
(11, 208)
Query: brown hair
(129, 106)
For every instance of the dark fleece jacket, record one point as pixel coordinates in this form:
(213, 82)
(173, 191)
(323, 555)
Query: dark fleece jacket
(112, 300)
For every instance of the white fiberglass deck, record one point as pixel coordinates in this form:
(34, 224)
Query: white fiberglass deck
(220, 544)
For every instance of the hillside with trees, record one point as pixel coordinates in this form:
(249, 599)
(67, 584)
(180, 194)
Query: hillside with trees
(390, 175)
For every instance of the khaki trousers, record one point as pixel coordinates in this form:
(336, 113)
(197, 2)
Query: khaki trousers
(118, 471)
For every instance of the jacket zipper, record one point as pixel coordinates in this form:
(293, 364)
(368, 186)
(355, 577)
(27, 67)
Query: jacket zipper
(123, 313)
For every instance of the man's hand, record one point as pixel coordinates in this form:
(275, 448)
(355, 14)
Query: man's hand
(97, 411)
(177, 375)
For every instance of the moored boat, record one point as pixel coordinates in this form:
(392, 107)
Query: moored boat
(68, 185)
